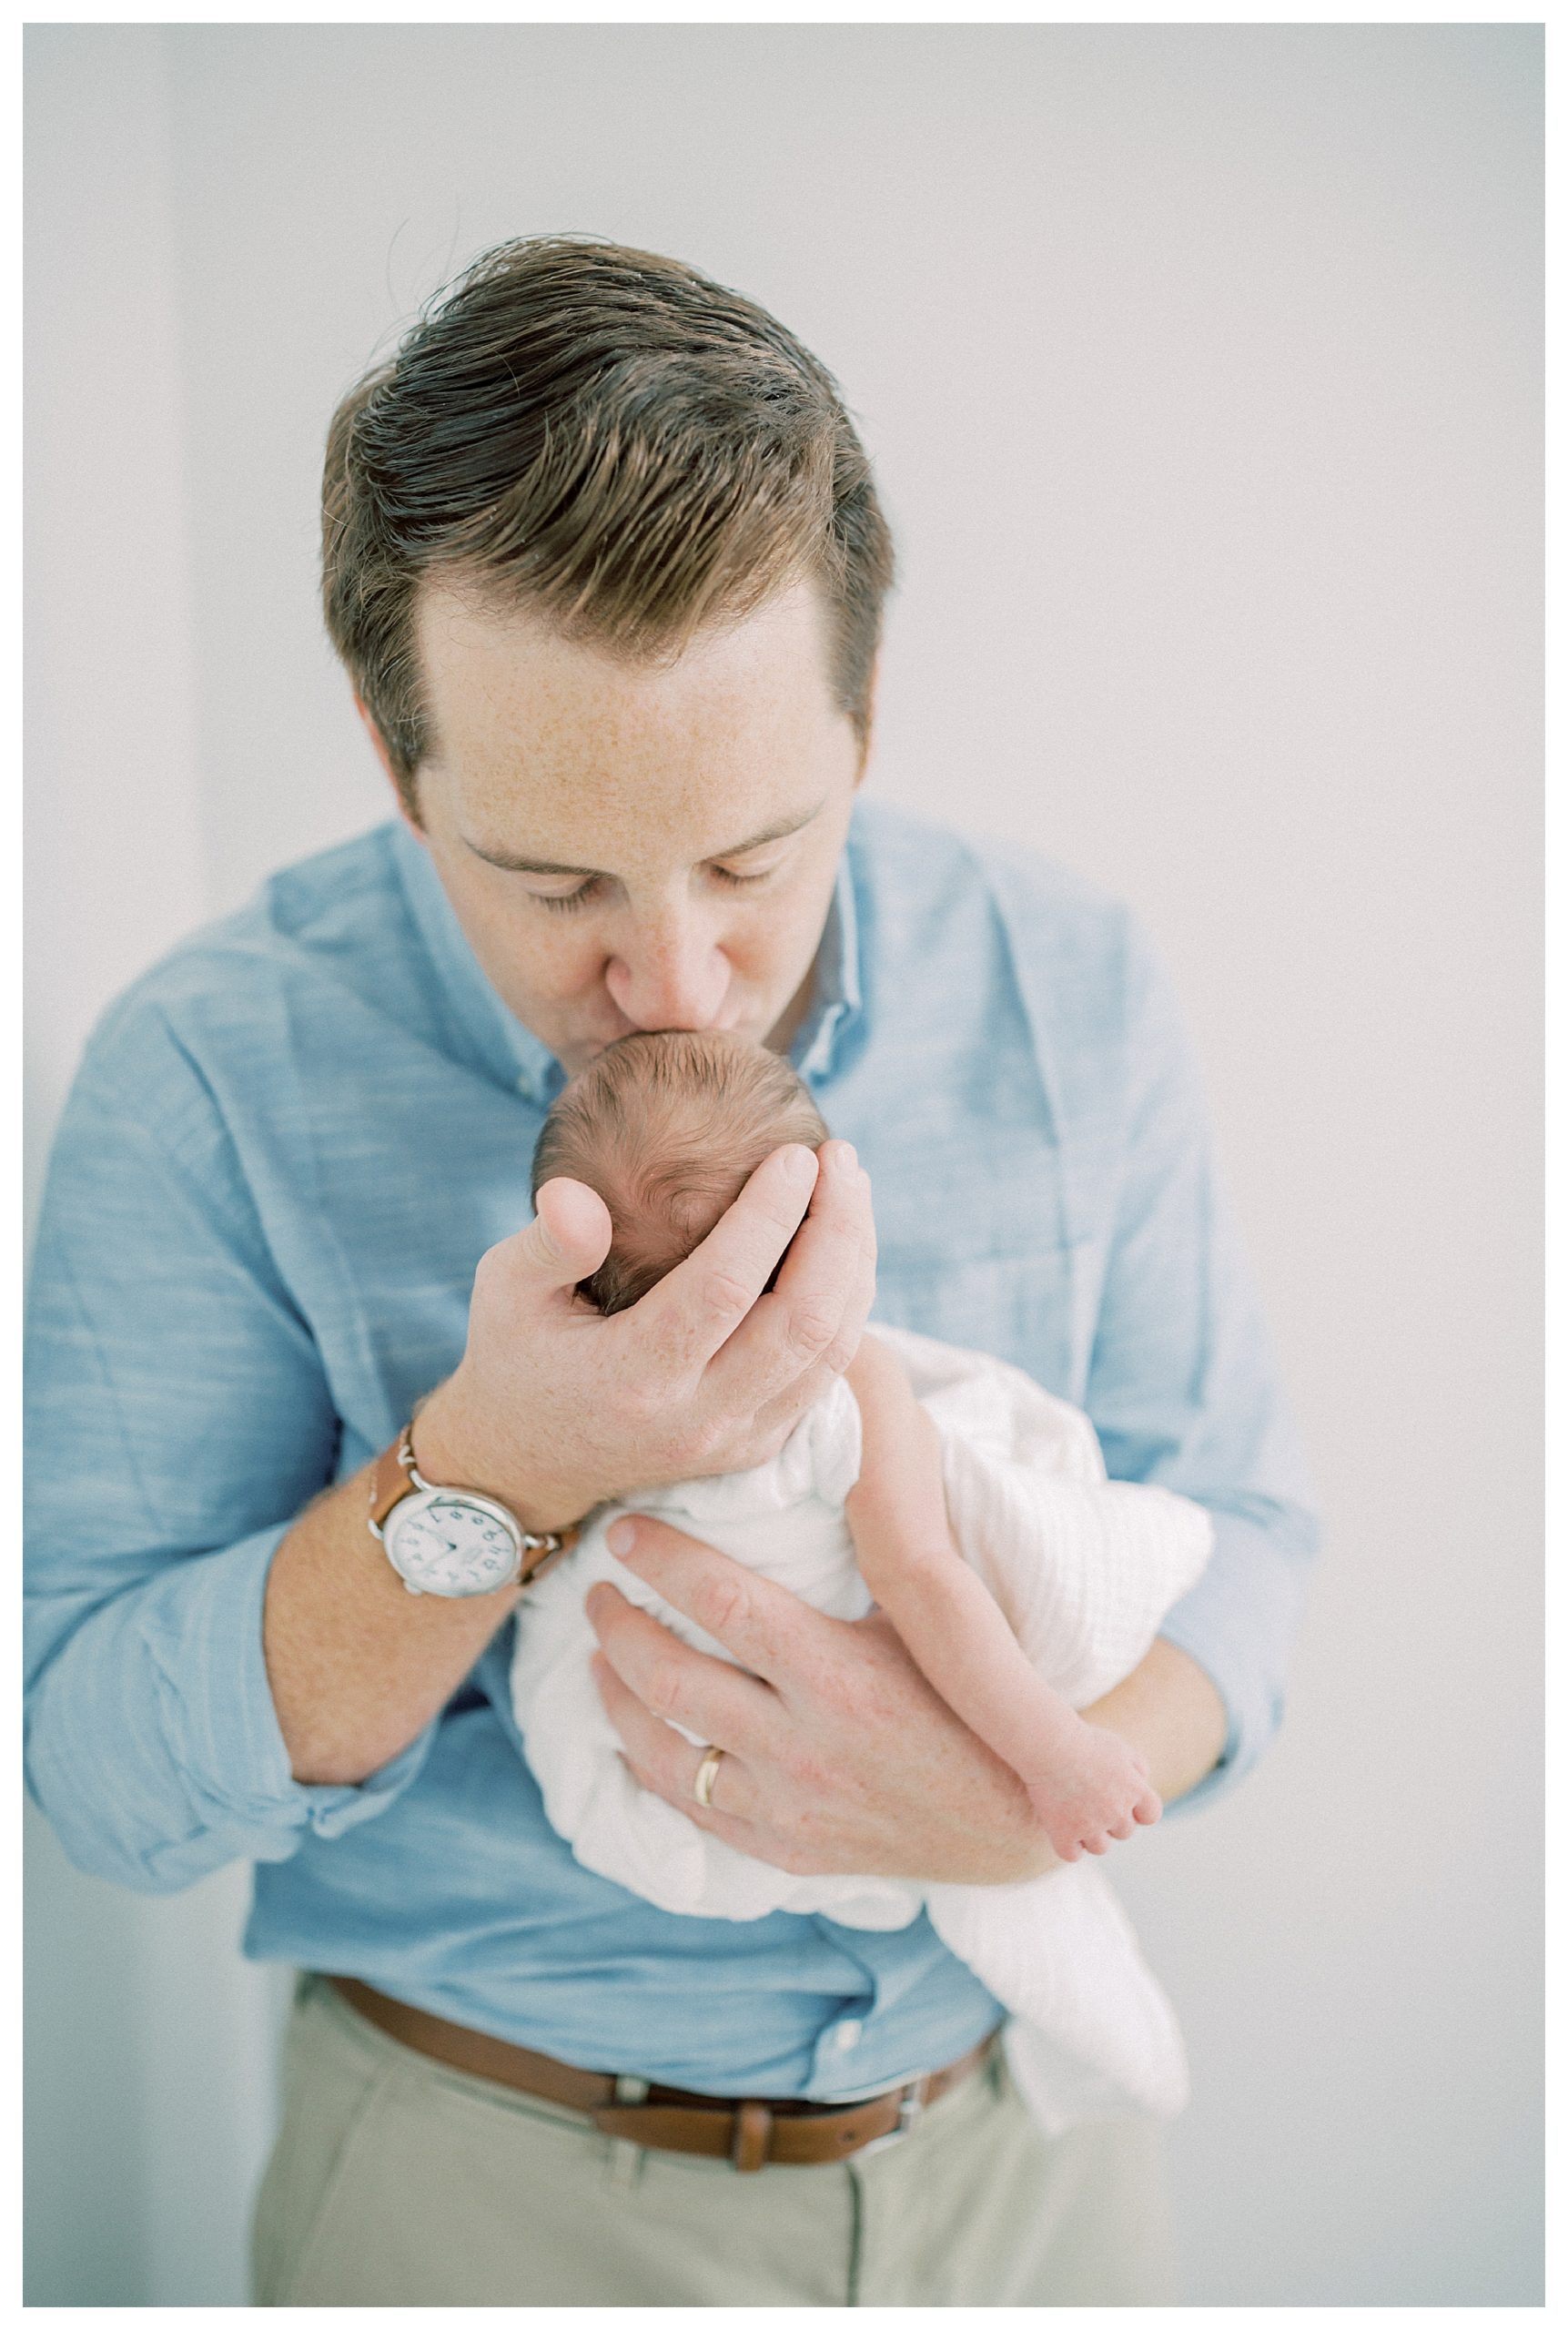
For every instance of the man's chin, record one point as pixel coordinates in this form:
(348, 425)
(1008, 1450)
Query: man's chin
(575, 1058)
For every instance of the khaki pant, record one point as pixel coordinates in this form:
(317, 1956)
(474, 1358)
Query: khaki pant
(396, 2181)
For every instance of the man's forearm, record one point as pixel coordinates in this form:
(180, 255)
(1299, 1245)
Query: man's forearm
(1171, 1713)
(358, 1664)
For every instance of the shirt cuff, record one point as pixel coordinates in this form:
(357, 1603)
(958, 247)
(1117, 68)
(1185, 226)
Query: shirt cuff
(201, 1627)
(1237, 1624)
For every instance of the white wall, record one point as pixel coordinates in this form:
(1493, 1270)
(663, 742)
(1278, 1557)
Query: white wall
(149, 2077)
(1200, 368)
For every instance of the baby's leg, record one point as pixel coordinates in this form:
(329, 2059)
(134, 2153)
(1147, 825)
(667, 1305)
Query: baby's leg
(1087, 1784)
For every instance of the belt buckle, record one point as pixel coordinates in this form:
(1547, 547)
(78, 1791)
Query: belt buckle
(911, 2104)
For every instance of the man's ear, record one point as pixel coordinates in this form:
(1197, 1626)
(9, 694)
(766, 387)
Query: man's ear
(870, 729)
(378, 745)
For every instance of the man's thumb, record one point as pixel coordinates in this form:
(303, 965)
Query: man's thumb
(570, 1233)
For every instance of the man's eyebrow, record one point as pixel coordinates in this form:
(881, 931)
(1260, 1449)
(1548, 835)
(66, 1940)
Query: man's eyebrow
(509, 862)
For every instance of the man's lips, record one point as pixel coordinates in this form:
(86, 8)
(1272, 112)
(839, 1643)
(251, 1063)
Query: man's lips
(592, 1046)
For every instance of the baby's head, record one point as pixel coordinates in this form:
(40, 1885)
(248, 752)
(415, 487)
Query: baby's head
(668, 1128)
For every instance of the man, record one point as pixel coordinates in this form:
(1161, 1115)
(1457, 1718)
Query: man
(604, 560)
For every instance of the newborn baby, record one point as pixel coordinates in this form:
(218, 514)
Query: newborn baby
(1063, 1581)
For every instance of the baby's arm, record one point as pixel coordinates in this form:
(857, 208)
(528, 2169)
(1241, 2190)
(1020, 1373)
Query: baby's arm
(1087, 1784)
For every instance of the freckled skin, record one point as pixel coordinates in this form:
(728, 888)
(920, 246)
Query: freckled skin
(645, 774)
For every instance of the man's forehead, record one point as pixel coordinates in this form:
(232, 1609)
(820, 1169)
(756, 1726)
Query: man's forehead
(524, 660)
(546, 744)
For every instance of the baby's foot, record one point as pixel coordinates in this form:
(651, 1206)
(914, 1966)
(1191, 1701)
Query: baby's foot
(1097, 1792)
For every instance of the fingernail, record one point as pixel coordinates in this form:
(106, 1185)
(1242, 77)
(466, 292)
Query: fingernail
(846, 1164)
(801, 1170)
(621, 1537)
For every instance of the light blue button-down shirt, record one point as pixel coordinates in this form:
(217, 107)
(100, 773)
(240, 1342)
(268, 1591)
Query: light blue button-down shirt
(287, 1149)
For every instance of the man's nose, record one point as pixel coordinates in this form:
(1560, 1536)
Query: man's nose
(671, 976)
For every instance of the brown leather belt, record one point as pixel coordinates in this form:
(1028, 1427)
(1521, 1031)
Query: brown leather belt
(749, 2133)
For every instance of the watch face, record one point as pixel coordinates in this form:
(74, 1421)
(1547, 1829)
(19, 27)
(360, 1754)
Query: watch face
(450, 1544)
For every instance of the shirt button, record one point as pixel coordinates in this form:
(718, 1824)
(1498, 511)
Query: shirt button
(847, 2035)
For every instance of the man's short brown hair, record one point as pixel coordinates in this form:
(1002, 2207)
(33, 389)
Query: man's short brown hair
(607, 436)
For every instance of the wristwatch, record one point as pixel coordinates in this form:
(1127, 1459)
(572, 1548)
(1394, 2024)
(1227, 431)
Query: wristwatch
(453, 1542)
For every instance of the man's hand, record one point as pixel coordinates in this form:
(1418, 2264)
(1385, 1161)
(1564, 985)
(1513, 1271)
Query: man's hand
(554, 1409)
(840, 1759)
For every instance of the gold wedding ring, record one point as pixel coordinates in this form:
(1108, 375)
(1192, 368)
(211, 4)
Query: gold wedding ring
(702, 1785)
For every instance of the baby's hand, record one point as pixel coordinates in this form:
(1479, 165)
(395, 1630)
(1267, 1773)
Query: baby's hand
(1096, 1791)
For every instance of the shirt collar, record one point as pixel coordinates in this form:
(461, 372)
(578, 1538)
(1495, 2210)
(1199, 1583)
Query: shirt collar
(515, 1056)
(836, 1002)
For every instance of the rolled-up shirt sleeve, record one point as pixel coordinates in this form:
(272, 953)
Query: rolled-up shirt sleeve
(1184, 1389)
(177, 1420)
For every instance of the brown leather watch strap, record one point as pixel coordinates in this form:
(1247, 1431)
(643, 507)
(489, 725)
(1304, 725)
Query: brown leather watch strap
(392, 1479)
(751, 2131)
(390, 1482)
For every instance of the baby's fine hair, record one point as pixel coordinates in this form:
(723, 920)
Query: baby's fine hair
(668, 1128)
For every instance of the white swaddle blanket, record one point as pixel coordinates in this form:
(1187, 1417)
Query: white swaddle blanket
(1084, 1569)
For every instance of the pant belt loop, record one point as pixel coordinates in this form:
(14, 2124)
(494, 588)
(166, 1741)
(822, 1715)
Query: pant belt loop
(626, 2158)
(911, 2104)
(753, 2126)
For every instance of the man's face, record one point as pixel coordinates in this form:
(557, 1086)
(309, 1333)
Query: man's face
(630, 845)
